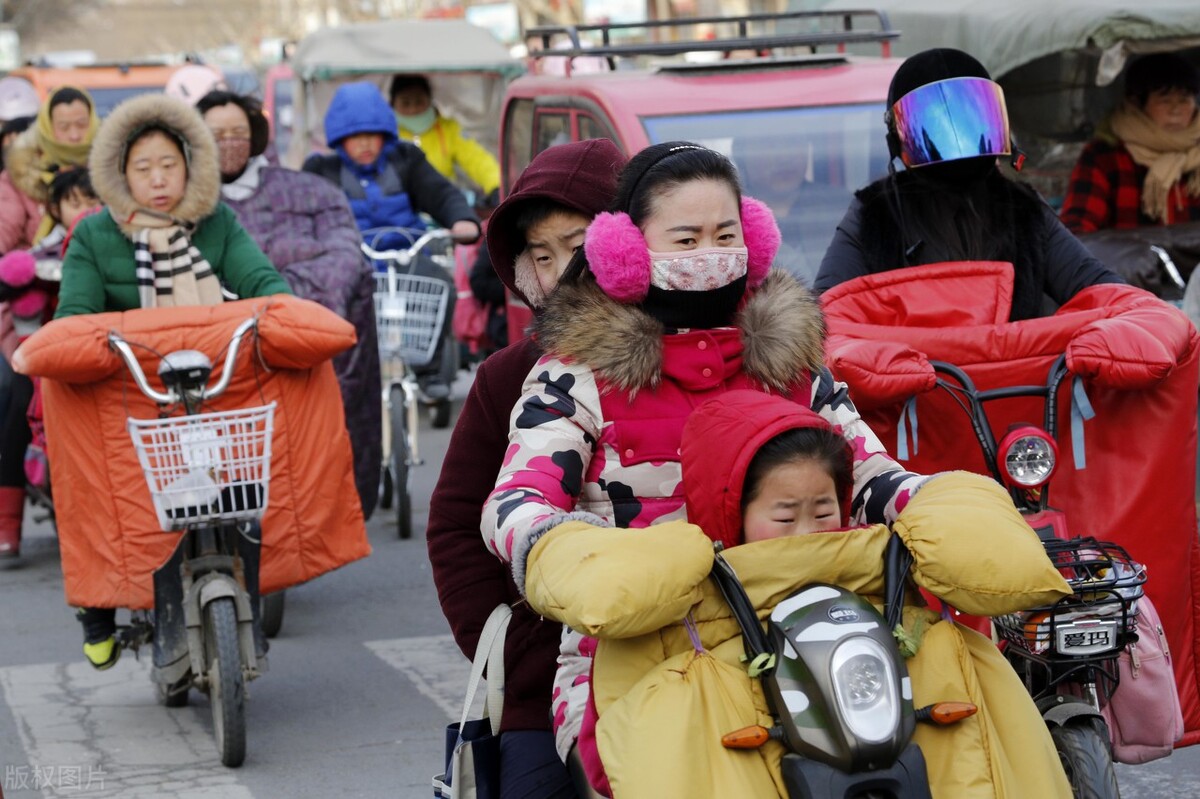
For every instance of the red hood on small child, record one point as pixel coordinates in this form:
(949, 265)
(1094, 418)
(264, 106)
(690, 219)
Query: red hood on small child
(720, 439)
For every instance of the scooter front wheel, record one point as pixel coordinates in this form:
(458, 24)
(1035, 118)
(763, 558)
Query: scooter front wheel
(226, 685)
(1083, 748)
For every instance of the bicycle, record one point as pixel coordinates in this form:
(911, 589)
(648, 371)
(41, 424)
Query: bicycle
(410, 311)
(442, 256)
(208, 475)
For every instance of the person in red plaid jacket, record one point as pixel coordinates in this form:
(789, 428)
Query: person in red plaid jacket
(1144, 169)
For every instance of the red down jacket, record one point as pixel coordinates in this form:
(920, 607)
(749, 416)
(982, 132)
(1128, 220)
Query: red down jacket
(108, 532)
(1140, 366)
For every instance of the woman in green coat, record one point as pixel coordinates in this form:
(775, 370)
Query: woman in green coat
(163, 240)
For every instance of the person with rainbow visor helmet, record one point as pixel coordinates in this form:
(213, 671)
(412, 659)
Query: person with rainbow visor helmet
(947, 124)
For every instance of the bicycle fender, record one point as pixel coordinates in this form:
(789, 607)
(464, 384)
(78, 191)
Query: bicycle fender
(217, 588)
(1058, 710)
(219, 585)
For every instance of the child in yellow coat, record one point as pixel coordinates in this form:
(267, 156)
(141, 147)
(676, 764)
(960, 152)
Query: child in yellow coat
(439, 137)
(662, 703)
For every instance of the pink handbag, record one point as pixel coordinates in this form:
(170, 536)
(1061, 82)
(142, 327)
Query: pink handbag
(1144, 715)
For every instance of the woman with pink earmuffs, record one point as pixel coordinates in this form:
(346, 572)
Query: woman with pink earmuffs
(671, 301)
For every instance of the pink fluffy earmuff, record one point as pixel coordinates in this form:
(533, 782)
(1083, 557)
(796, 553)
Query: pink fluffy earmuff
(18, 268)
(620, 259)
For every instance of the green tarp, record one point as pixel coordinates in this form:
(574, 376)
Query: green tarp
(467, 68)
(402, 46)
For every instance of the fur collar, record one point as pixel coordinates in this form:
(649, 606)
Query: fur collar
(22, 161)
(203, 190)
(783, 333)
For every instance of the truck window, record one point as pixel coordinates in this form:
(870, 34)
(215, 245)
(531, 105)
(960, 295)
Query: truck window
(805, 163)
(518, 140)
(553, 127)
(592, 128)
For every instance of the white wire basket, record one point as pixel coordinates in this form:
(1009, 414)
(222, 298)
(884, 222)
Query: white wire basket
(409, 312)
(210, 467)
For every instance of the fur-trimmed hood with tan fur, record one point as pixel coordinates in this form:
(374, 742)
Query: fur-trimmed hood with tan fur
(130, 118)
(782, 329)
(22, 161)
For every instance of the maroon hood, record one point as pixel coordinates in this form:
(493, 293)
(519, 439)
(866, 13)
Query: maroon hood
(581, 176)
(720, 439)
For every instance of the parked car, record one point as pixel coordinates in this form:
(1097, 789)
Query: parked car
(805, 127)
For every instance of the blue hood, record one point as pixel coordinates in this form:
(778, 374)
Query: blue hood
(359, 108)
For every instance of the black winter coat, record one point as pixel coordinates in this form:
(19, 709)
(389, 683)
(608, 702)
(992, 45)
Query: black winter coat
(407, 171)
(1049, 261)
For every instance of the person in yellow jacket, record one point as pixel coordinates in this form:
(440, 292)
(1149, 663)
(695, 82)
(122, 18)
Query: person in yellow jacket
(439, 137)
(667, 679)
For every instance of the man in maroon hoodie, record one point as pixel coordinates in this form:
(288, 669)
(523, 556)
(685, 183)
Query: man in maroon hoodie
(530, 238)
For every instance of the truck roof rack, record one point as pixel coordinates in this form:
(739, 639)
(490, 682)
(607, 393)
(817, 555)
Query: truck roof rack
(44, 63)
(833, 28)
(750, 64)
(146, 61)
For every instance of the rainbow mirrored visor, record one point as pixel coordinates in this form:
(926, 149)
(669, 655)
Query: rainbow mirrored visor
(951, 119)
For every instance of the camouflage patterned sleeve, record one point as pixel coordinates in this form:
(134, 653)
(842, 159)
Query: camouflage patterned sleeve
(552, 436)
(881, 486)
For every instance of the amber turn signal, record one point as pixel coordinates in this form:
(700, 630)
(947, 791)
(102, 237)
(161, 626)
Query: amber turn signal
(750, 737)
(944, 713)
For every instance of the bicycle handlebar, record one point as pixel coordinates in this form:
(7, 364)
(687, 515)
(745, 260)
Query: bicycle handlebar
(118, 343)
(405, 256)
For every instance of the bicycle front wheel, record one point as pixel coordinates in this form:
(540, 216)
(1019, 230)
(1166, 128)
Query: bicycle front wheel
(400, 466)
(226, 684)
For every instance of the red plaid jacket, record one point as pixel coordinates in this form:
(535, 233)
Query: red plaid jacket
(1105, 191)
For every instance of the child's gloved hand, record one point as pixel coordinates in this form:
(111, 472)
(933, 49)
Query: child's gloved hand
(973, 549)
(616, 583)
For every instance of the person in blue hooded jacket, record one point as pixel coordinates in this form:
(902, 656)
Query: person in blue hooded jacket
(390, 184)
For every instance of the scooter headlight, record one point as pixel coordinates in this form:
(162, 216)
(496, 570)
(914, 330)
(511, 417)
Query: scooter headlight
(1029, 457)
(866, 688)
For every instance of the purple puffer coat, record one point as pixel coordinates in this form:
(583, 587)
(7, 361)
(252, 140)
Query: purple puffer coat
(304, 225)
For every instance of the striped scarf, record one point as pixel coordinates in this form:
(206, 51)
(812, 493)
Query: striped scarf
(170, 270)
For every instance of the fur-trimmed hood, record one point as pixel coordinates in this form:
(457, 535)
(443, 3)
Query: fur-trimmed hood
(783, 333)
(22, 161)
(203, 190)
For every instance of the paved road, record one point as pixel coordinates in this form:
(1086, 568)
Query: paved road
(362, 680)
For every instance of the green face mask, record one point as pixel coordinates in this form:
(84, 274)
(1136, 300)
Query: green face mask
(418, 123)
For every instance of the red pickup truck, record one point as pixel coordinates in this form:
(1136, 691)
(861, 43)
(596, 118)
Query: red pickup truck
(777, 93)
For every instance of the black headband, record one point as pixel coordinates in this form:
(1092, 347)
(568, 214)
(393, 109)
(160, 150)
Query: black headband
(670, 152)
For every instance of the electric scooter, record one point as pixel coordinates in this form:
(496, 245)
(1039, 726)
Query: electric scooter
(838, 688)
(1065, 652)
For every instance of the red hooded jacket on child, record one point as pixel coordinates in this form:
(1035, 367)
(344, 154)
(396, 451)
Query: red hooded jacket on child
(720, 440)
